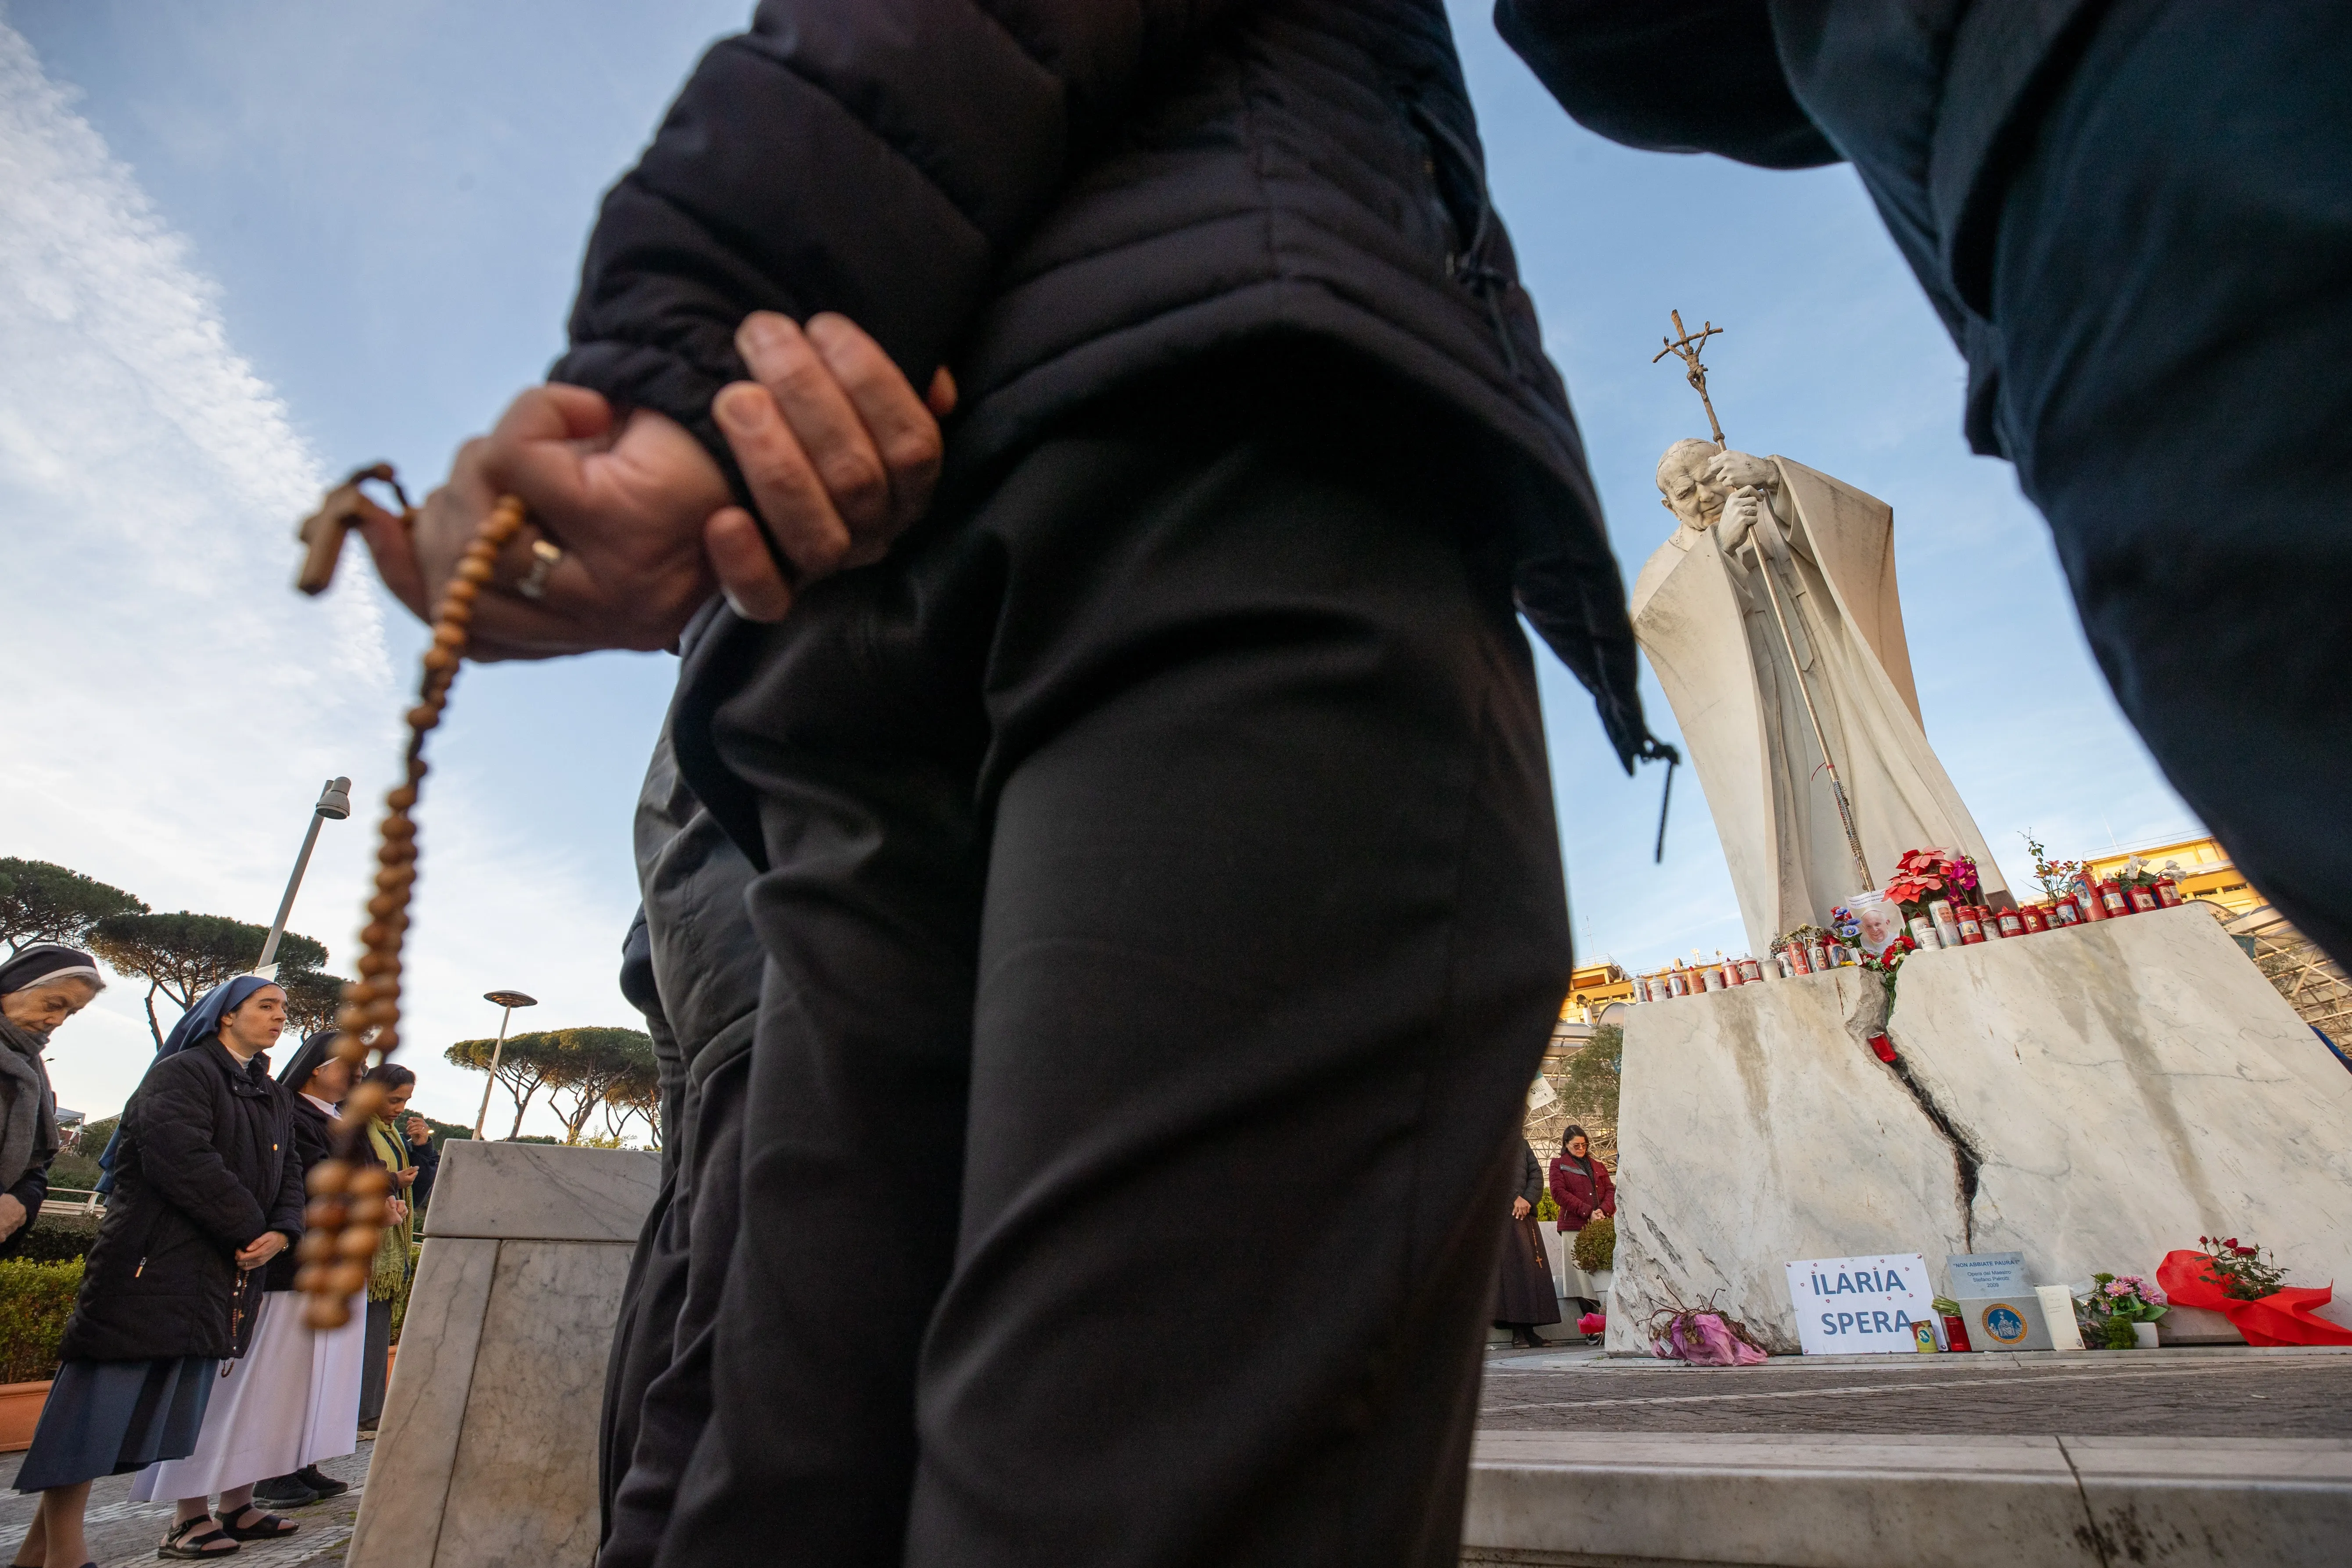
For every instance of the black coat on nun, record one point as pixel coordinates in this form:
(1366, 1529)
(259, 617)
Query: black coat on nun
(206, 1164)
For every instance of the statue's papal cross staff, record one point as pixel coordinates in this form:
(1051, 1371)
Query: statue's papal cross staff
(1686, 346)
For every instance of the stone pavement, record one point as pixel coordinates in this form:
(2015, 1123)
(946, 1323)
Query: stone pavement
(123, 1533)
(2217, 1392)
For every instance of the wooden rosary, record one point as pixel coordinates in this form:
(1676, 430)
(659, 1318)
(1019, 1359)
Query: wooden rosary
(350, 1201)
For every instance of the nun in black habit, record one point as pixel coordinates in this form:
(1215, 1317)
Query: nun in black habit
(40, 988)
(207, 1190)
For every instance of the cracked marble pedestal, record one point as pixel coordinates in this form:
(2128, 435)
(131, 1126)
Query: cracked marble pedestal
(2104, 1094)
(487, 1453)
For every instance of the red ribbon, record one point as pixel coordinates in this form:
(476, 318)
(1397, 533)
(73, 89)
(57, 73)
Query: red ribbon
(2284, 1317)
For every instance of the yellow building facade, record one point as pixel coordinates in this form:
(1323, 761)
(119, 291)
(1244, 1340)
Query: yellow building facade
(1595, 985)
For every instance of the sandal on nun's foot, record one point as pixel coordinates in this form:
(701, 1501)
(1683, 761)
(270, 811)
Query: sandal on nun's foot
(192, 1539)
(250, 1523)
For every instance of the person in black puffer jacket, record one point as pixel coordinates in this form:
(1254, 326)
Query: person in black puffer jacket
(2134, 217)
(208, 1189)
(1162, 825)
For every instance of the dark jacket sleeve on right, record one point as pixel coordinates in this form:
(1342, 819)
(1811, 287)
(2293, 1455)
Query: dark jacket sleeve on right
(175, 1113)
(1669, 76)
(429, 1166)
(876, 159)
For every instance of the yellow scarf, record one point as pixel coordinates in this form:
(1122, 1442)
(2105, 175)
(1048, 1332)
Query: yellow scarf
(395, 1256)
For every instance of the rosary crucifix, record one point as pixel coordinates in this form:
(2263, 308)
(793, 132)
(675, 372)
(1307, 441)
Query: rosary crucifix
(1687, 347)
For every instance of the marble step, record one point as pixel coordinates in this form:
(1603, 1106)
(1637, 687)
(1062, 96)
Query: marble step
(1596, 1500)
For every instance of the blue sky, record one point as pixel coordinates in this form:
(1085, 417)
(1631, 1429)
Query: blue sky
(246, 243)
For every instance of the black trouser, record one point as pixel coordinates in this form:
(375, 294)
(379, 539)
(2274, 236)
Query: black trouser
(1164, 919)
(375, 1367)
(2173, 285)
(658, 1400)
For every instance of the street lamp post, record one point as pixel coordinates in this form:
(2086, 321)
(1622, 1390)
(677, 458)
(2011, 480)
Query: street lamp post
(510, 1000)
(334, 804)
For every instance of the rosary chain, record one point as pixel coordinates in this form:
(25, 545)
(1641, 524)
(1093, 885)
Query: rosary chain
(349, 1203)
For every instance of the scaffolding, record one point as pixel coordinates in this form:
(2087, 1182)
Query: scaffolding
(2312, 983)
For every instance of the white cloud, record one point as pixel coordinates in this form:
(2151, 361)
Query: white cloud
(169, 705)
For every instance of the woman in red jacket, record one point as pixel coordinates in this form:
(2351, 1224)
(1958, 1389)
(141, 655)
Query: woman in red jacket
(1582, 1188)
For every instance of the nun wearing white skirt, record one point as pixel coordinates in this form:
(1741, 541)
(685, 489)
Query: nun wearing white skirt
(294, 1397)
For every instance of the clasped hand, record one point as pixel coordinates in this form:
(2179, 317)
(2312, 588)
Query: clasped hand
(839, 453)
(261, 1249)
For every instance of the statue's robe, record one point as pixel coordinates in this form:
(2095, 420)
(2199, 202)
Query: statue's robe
(1708, 628)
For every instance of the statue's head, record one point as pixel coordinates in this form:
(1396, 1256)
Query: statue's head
(1684, 485)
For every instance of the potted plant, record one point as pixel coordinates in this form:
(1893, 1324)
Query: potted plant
(2120, 1313)
(2056, 876)
(1596, 1253)
(2234, 1278)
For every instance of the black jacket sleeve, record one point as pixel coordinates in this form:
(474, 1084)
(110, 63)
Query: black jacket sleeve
(877, 159)
(172, 1119)
(1672, 76)
(285, 1212)
(427, 1161)
(1531, 1173)
(31, 1190)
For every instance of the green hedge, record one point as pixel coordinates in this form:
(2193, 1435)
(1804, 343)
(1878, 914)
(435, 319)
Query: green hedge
(60, 1235)
(36, 1299)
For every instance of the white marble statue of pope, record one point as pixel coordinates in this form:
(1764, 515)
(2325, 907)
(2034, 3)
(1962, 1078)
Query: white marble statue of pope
(1705, 614)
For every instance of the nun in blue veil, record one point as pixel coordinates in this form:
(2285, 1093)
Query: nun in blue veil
(207, 1191)
(200, 1022)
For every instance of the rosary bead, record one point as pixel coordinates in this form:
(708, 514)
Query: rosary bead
(402, 798)
(440, 659)
(371, 1181)
(346, 1278)
(329, 1177)
(359, 1242)
(326, 1313)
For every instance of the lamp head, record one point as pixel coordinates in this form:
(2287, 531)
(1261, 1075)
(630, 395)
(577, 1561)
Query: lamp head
(509, 998)
(335, 800)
